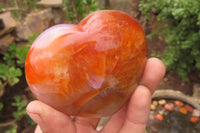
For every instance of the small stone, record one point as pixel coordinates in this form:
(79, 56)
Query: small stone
(9, 23)
(162, 102)
(162, 111)
(153, 107)
(196, 113)
(189, 108)
(168, 107)
(59, 16)
(35, 22)
(155, 103)
(5, 42)
(178, 103)
(183, 110)
(194, 119)
(159, 117)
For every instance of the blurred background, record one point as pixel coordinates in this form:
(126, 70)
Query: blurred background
(172, 29)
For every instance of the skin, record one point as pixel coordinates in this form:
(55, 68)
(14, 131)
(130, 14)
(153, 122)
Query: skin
(131, 118)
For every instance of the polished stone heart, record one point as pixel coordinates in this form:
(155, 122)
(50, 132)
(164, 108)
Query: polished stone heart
(89, 69)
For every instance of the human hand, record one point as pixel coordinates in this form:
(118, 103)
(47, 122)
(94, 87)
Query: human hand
(131, 118)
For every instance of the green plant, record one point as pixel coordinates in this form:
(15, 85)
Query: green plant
(32, 4)
(78, 9)
(10, 74)
(12, 129)
(13, 62)
(11, 71)
(19, 8)
(181, 28)
(20, 103)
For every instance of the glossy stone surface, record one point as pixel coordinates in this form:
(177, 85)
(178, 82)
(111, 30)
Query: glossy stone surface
(89, 69)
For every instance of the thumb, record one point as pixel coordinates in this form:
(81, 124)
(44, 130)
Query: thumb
(49, 119)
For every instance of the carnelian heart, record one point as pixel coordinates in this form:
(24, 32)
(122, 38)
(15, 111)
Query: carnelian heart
(89, 69)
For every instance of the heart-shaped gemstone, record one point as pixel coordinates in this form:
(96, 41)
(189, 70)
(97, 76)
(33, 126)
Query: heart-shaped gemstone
(88, 69)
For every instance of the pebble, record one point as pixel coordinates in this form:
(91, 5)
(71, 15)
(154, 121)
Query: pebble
(155, 103)
(189, 108)
(176, 108)
(161, 111)
(153, 107)
(196, 113)
(162, 102)
(168, 107)
(194, 119)
(159, 117)
(178, 103)
(183, 110)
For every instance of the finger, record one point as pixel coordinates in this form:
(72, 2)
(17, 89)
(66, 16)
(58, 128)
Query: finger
(138, 111)
(116, 121)
(49, 119)
(153, 74)
(86, 125)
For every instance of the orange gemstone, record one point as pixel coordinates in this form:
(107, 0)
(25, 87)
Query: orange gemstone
(89, 69)
(194, 119)
(189, 108)
(178, 103)
(159, 117)
(168, 107)
(183, 110)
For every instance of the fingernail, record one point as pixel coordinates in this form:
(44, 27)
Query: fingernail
(34, 113)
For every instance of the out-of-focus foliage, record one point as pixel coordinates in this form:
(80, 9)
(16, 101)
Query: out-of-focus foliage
(13, 129)
(19, 8)
(11, 70)
(78, 9)
(23, 7)
(181, 28)
(20, 104)
(13, 62)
